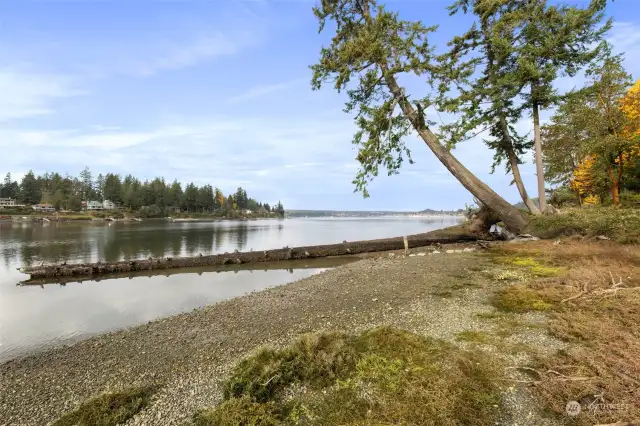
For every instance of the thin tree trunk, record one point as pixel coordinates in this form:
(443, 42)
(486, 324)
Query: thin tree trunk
(511, 216)
(542, 196)
(615, 193)
(513, 161)
(614, 189)
(615, 182)
(515, 168)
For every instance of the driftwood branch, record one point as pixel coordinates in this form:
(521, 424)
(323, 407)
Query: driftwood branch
(559, 377)
(611, 291)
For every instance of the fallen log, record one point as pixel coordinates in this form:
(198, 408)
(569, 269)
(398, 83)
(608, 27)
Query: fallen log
(90, 270)
(290, 265)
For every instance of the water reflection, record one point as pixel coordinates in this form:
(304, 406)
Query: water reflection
(84, 309)
(36, 316)
(56, 242)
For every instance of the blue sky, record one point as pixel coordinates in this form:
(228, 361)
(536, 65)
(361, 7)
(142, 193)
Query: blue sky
(214, 92)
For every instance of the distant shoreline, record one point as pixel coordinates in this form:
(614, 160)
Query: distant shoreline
(22, 218)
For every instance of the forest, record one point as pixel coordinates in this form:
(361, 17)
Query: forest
(155, 198)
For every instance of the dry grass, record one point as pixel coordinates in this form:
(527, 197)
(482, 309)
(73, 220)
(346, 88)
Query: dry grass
(596, 309)
(382, 376)
(110, 409)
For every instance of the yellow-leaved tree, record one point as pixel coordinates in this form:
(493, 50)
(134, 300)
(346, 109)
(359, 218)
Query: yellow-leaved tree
(599, 126)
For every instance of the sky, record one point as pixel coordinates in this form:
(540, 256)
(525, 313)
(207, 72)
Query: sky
(217, 92)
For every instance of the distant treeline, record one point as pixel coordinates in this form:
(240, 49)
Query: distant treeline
(150, 198)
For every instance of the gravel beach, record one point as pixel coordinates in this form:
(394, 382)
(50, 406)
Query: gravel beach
(189, 354)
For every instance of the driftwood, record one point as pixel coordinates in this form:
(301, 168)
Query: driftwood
(90, 270)
(290, 265)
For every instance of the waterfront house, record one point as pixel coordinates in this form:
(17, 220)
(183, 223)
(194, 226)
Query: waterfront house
(44, 208)
(108, 205)
(93, 206)
(7, 203)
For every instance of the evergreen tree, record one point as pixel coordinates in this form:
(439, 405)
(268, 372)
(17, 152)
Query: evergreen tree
(113, 188)
(555, 41)
(10, 188)
(86, 181)
(205, 198)
(99, 187)
(372, 48)
(190, 202)
(241, 198)
(175, 194)
(29, 189)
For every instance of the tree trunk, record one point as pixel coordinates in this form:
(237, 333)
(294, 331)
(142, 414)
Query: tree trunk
(515, 170)
(615, 181)
(615, 193)
(542, 196)
(511, 216)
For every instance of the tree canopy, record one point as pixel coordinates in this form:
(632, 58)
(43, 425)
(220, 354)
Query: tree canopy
(68, 192)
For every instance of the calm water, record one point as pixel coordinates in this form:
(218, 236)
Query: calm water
(34, 317)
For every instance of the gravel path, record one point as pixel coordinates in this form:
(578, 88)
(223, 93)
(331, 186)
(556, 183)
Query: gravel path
(191, 353)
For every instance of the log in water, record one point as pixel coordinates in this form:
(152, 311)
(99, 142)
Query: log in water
(90, 270)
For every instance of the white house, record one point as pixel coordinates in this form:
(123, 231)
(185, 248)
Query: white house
(108, 205)
(47, 208)
(94, 205)
(7, 202)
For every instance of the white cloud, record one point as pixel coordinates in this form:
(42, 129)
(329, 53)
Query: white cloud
(177, 56)
(28, 94)
(625, 37)
(263, 90)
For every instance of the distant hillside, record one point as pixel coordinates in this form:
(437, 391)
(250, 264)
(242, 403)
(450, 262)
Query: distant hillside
(354, 213)
(429, 211)
(521, 204)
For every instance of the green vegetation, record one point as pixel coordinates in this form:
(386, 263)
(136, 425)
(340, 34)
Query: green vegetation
(621, 225)
(380, 376)
(592, 144)
(110, 409)
(519, 298)
(530, 265)
(155, 198)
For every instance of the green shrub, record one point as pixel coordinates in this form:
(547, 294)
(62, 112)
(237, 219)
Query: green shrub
(622, 225)
(110, 409)
(381, 376)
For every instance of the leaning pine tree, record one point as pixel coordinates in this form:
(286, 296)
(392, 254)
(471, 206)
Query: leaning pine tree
(374, 46)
